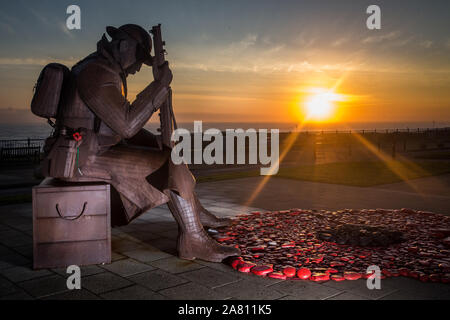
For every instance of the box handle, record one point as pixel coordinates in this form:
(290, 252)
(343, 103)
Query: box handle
(74, 218)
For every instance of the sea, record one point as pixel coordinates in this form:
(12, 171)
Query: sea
(42, 130)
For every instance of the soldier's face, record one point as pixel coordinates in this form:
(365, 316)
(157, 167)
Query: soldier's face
(135, 67)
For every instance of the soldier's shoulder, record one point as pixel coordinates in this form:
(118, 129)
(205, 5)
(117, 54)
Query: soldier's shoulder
(99, 70)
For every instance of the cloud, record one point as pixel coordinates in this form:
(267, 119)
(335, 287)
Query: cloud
(66, 31)
(447, 44)
(304, 40)
(339, 42)
(43, 19)
(402, 42)
(241, 45)
(426, 44)
(379, 38)
(264, 66)
(51, 21)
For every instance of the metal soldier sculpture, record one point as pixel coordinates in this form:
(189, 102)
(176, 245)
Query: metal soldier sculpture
(99, 136)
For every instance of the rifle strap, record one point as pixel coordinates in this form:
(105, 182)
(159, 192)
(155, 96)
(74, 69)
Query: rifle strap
(171, 110)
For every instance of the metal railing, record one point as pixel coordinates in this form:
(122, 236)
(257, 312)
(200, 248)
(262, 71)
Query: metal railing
(389, 131)
(21, 150)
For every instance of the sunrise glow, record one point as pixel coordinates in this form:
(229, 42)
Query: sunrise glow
(320, 104)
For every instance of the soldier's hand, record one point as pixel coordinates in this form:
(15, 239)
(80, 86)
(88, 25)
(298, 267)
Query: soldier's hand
(165, 74)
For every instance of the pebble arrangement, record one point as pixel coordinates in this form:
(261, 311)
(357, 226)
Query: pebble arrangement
(288, 245)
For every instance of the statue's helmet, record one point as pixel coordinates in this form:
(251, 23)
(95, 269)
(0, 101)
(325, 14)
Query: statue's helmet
(138, 34)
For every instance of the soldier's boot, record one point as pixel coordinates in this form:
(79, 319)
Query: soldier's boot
(193, 241)
(208, 219)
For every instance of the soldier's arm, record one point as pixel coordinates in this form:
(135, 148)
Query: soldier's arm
(98, 87)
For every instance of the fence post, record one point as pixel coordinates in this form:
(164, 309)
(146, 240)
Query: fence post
(393, 149)
(314, 150)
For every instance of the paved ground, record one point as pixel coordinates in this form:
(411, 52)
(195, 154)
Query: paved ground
(430, 194)
(436, 185)
(145, 267)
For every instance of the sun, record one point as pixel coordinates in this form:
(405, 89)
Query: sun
(320, 104)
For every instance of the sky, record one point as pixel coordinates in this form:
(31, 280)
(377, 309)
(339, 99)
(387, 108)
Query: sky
(252, 61)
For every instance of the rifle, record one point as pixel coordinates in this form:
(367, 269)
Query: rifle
(166, 116)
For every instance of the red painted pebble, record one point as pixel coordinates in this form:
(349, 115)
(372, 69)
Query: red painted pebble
(290, 238)
(352, 275)
(337, 277)
(446, 241)
(332, 270)
(403, 272)
(235, 262)
(289, 271)
(320, 276)
(336, 264)
(261, 270)
(424, 278)
(254, 249)
(222, 239)
(277, 275)
(245, 267)
(303, 273)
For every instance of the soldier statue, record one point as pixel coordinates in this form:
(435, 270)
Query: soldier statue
(115, 148)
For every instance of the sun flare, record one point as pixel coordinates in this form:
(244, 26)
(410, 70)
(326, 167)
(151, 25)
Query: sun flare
(320, 105)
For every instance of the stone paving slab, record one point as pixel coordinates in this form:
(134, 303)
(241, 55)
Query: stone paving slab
(305, 290)
(46, 286)
(26, 251)
(413, 290)
(247, 289)
(359, 288)
(85, 271)
(210, 278)
(7, 287)
(165, 244)
(175, 265)
(81, 294)
(104, 282)
(134, 292)
(158, 280)
(345, 296)
(127, 267)
(18, 241)
(145, 266)
(147, 254)
(22, 295)
(13, 260)
(22, 273)
(192, 291)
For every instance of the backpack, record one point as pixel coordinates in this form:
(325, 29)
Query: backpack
(48, 90)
